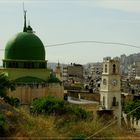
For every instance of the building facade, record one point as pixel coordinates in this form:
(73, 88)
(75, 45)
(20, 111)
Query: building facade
(110, 93)
(73, 73)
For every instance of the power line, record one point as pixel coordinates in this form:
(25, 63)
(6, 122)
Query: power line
(92, 41)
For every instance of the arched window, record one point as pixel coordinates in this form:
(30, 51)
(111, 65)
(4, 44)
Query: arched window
(105, 68)
(104, 81)
(114, 68)
(114, 101)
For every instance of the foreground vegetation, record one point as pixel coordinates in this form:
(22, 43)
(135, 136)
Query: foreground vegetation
(53, 118)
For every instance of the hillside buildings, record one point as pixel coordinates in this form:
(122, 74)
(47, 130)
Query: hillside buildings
(73, 73)
(92, 75)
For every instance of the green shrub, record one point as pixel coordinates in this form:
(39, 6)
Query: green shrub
(54, 106)
(132, 108)
(47, 105)
(3, 125)
(12, 101)
(81, 113)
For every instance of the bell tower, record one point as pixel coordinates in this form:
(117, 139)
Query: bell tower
(110, 93)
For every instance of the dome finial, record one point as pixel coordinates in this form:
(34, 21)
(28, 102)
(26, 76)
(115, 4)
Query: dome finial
(29, 28)
(25, 11)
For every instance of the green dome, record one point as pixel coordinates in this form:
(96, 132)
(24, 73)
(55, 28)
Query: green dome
(25, 46)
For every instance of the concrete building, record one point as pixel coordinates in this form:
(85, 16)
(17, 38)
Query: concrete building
(137, 69)
(92, 76)
(65, 73)
(73, 73)
(96, 70)
(132, 71)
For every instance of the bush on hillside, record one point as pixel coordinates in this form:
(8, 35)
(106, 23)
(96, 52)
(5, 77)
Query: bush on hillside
(3, 125)
(12, 101)
(5, 84)
(132, 108)
(54, 106)
(47, 105)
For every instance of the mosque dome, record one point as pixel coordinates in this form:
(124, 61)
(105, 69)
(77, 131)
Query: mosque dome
(25, 46)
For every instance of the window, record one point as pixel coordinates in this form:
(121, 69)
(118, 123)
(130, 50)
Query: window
(104, 81)
(105, 68)
(114, 68)
(114, 101)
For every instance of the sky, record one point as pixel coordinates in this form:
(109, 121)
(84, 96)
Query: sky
(61, 21)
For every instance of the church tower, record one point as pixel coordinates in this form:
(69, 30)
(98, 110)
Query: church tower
(110, 94)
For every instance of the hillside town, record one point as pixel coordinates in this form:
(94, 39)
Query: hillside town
(40, 99)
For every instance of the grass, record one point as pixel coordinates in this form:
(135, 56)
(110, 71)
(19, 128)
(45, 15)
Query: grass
(58, 127)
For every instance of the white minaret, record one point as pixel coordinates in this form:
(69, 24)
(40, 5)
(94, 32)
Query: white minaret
(110, 93)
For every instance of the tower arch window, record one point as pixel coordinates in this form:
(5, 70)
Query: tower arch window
(114, 103)
(105, 68)
(104, 82)
(114, 68)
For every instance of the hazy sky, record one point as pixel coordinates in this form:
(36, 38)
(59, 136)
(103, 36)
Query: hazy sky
(59, 21)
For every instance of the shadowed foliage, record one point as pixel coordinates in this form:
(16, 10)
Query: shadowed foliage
(133, 109)
(5, 84)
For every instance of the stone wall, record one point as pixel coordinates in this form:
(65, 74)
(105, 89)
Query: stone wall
(26, 94)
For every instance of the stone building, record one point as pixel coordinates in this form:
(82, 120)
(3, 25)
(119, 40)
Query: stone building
(110, 91)
(132, 71)
(96, 70)
(73, 73)
(137, 69)
(25, 64)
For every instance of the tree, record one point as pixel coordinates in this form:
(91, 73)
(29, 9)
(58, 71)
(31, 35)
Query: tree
(133, 109)
(5, 84)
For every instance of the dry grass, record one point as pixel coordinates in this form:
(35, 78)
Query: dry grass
(58, 127)
(26, 125)
(37, 126)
